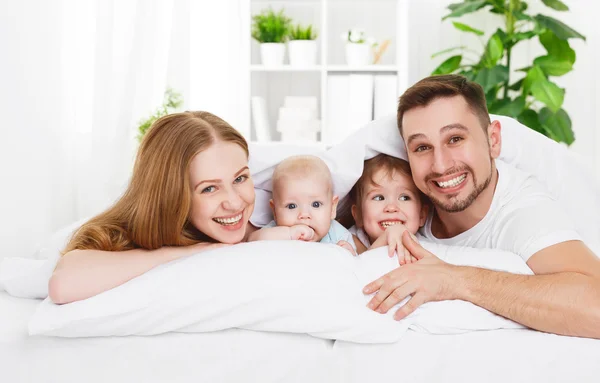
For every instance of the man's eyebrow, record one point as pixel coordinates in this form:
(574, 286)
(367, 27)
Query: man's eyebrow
(413, 137)
(214, 181)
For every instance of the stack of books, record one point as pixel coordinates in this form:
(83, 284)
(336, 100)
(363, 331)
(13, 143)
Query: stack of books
(297, 121)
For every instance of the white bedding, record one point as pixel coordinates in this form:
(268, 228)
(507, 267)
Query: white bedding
(247, 356)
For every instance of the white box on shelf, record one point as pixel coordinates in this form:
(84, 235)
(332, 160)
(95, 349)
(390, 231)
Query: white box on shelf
(338, 87)
(299, 137)
(262, 128)
(360, 111)
(297, 113)
(301, 102)
(308, 126)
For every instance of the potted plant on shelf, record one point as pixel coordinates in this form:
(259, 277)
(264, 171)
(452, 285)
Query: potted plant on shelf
(534, 99)
(359, 47)
(302, 46)
(271, 29)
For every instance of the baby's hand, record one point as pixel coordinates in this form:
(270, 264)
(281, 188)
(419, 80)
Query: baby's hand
(301, 232)
(394, 240)
(346, 246)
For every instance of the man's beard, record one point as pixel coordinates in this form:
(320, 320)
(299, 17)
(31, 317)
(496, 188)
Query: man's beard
(460, 205)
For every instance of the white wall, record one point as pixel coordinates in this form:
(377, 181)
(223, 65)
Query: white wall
(582, 99)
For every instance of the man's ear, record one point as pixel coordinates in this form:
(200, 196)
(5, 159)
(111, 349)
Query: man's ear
(334, 203)
(356, 216)
(272, 204)
(424, 213)
(495, 138)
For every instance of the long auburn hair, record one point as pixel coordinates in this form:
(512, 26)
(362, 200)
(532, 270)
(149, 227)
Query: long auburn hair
(154, 210)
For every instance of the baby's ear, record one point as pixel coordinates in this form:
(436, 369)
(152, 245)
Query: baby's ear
(424, 213)
(272, 204)
(355, 215)
(334, 203)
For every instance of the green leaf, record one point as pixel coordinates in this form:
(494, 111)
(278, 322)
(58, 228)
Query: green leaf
(491, 97)
(556, 4)
(522, 16)
(466, 28)
(489, 78)
(469, 74)
(448, 66)
(549, 93)
(553, 66)
(558, 124)
(520, 36)
(530, 119)
(561, 30)
(534, 75)
(460, 9)
(494, 51)
(446, 51)
(557, 47)
(525, 69)
(510, 108)
(517, 85)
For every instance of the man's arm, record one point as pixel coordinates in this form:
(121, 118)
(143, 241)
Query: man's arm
(563, 298)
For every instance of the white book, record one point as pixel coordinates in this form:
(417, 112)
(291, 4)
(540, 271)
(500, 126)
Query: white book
(260, 117)
(385, 100)
(338, 86)
(300, 102)
(297, 113)
(360, 111)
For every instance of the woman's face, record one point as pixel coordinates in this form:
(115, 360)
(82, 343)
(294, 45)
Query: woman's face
(222, 192)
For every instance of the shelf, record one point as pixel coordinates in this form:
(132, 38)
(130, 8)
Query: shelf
(284, 68)
(368, 68)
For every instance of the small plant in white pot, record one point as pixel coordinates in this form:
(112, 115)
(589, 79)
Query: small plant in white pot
(271, 30)
(359, 47)
(302, 46)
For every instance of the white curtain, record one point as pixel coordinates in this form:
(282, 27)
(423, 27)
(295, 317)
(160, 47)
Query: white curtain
(77, 76)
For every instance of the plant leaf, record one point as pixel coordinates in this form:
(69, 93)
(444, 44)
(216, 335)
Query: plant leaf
(520, 36)
(556, 4)
(557, 47)
(560, 29)
(530, 119)
(466, 28)
(459, 9)
(558, 124)
(553, 66)
(510, 108)
(489, 78)
(549, 93)
(446, 51)
(517, 85)
(494, 51)
(533, 75)
(448, 66)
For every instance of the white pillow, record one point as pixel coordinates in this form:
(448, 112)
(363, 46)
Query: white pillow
(283, 286)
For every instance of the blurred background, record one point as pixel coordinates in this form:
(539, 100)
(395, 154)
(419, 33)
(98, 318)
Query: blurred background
(81, 80)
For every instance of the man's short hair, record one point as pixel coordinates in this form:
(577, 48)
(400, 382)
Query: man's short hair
(434, 87)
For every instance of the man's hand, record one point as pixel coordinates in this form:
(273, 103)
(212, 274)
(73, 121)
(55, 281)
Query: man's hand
(428, 279)
(346, 246)
(301, 232)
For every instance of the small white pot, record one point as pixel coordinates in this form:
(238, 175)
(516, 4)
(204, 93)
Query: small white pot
(358, 54)
(302, 52)
(272, 54)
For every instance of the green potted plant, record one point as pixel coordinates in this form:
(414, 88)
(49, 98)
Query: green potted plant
(359, 47)
(534, 99)
(271, 30)
(302, 46)
(171, 101)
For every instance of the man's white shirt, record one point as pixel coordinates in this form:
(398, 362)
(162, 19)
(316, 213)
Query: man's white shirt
(523, 218)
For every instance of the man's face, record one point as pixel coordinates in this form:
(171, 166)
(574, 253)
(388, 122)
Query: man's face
(449, 152)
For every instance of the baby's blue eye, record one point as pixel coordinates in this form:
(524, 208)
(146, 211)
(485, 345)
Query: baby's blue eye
(291, 206)
(317, 204)
(378, 197)
(404, 197)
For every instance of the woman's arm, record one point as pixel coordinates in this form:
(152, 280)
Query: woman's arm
(81, 274)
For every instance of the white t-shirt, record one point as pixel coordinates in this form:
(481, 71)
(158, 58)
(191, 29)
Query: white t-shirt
(523, 218)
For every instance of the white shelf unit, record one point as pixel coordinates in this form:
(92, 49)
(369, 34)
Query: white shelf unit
(382, 19)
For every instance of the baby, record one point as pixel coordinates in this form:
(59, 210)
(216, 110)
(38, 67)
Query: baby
(384, 203)
(303, 204)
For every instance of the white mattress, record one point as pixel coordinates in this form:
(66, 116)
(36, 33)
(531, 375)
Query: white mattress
(246, 356)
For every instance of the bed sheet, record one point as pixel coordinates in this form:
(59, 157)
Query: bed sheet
(484, 356)
(227, 356)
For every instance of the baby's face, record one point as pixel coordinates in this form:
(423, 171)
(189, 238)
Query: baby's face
(305, 201)
(394, 199)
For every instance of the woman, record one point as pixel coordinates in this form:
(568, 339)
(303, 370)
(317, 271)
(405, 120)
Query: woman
(190, 191)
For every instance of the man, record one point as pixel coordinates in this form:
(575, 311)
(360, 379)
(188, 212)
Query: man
(482, 202)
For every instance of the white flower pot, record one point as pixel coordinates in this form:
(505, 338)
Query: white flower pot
(272, 54)
(358, 54)
(302, 52)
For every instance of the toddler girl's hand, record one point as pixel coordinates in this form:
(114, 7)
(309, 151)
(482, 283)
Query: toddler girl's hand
(301, 232)
(394, 240)
(346, 246)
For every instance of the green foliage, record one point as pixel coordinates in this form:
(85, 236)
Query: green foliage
(270, 27)
(171, 101)
(300, 33)
(535, 100)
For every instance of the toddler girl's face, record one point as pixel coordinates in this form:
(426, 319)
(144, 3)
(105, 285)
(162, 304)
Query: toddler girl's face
(392, 199)
(306, 201)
